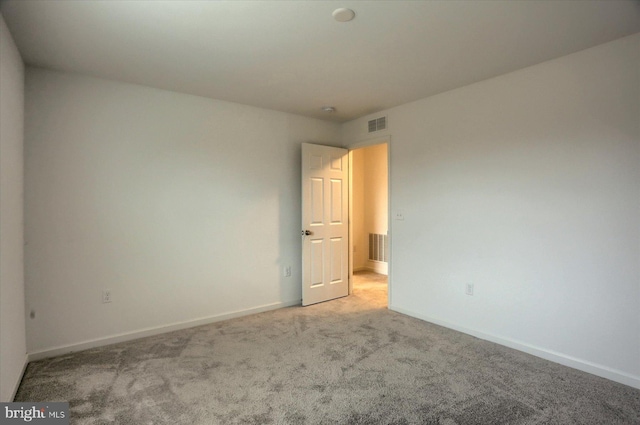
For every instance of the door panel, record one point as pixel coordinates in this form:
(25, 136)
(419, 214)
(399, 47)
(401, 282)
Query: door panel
(325, 219)
(336, 163)
(336, 260)
(317, 201)
(336, 201)
(317, 262)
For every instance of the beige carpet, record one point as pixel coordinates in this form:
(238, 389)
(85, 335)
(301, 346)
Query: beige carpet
(348, 361)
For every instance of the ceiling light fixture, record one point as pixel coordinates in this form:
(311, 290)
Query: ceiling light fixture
(343, 15)
(328, 109)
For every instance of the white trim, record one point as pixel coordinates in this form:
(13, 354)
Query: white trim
(350, 270)
(371, 141)
(371, 269)
(25, 363)
(554, 356)
(142, 333)
(389, 222)
(377, 267)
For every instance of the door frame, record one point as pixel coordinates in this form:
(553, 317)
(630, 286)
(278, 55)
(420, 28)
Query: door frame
(351, 147)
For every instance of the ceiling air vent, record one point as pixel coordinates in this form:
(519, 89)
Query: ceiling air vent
(377, 124)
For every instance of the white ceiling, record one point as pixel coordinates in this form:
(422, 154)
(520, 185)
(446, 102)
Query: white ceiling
(293, 56)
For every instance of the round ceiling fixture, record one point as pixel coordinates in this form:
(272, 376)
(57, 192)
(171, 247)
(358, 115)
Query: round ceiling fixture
(343, 14)
(328, 109)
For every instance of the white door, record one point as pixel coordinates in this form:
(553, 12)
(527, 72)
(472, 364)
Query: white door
(325, 223)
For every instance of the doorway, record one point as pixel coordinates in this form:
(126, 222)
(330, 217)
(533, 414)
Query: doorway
(369, 216)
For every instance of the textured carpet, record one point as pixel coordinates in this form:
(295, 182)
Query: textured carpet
(348, 361)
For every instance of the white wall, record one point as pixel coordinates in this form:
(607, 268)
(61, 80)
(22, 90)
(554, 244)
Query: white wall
(370, 203)
(13, 349)
(187, 208)
(376, 193)
(360, 240)
(528, 186)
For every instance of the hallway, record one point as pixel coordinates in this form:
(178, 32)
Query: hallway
(374, 285)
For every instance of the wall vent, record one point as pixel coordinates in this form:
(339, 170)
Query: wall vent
(377, 124)
(378, 247)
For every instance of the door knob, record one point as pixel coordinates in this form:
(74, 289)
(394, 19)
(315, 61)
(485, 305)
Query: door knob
(307, 232)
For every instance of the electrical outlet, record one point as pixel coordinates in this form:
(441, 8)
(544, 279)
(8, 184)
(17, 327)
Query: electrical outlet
(287, 271)
(469, 289)
(106, 296)
(399, 215)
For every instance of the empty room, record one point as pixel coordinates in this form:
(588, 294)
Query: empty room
(320, 212)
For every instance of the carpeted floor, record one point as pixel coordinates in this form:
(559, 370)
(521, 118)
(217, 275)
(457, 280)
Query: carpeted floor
(348, 361)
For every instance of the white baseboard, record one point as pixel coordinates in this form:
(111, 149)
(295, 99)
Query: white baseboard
(17, 384)
(142, 333)
(554, 356)
(377, 267)
(380, 268)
